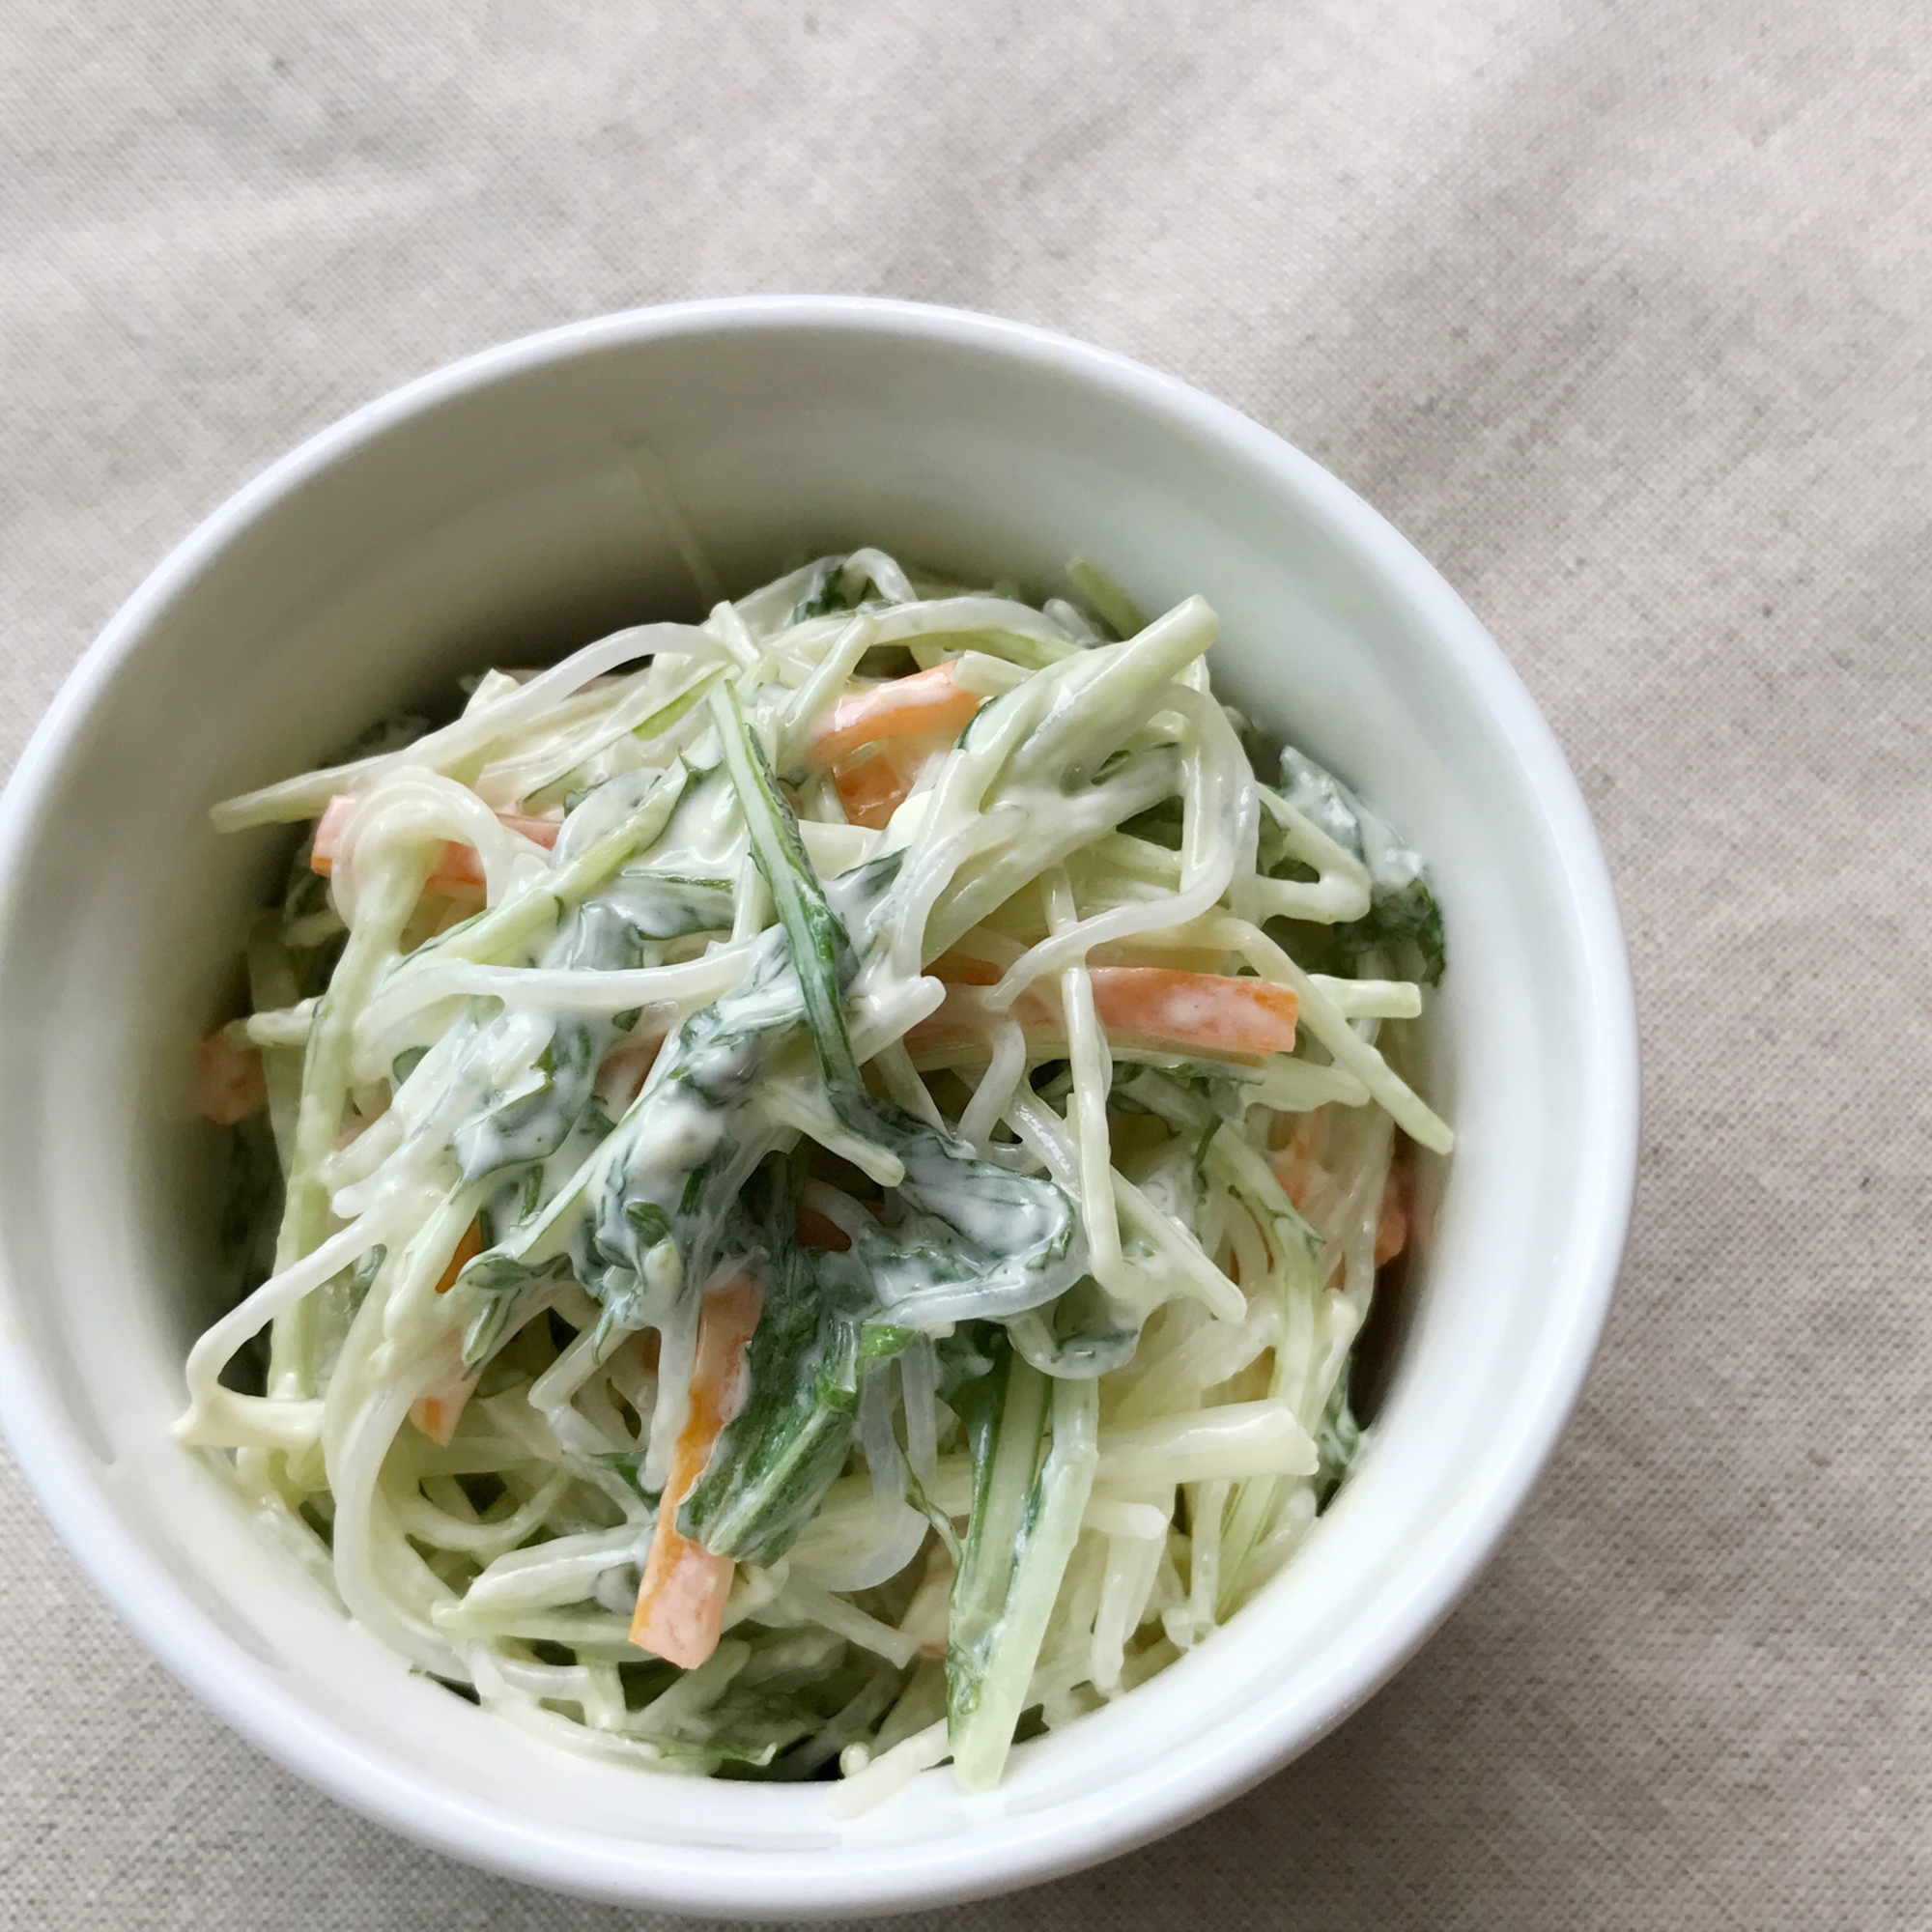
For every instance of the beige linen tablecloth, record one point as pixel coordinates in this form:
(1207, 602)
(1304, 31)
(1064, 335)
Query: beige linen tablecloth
(1622, 314)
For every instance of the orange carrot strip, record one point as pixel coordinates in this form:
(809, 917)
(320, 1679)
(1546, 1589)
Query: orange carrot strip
(953, 1024)
(1298, 1165)
(437, 1411)
(871, 790)
(926, 703)
(457, 866)
(466, 1251)
(228, 1081)
(1157, 1008)
(1392, 1229)
(1210, 1011)
(961, 969)
(681, 1599)
(820, 1230)
(623, 1070)
(328, 839)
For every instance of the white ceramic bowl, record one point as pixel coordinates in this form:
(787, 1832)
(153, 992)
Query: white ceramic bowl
(494, 512)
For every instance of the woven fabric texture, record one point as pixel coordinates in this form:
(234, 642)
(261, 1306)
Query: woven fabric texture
(1624, 314)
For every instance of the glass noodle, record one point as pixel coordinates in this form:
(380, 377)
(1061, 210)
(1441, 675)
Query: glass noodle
(804, 1183)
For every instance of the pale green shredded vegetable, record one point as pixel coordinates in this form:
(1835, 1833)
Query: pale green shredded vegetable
(924, 982)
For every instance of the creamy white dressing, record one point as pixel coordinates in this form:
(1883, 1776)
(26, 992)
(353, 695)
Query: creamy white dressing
(1076, 1322)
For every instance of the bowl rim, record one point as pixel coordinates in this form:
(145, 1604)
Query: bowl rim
(882, 1876)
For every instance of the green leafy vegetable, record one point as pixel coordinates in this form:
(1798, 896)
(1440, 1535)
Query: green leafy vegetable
(936, 1341)
(1404, 922)
(1034, 1447)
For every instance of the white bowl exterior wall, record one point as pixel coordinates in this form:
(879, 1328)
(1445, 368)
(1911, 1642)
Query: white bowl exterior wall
(496, 513)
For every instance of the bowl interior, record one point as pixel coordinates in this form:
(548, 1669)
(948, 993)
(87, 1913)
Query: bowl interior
(515, 507)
